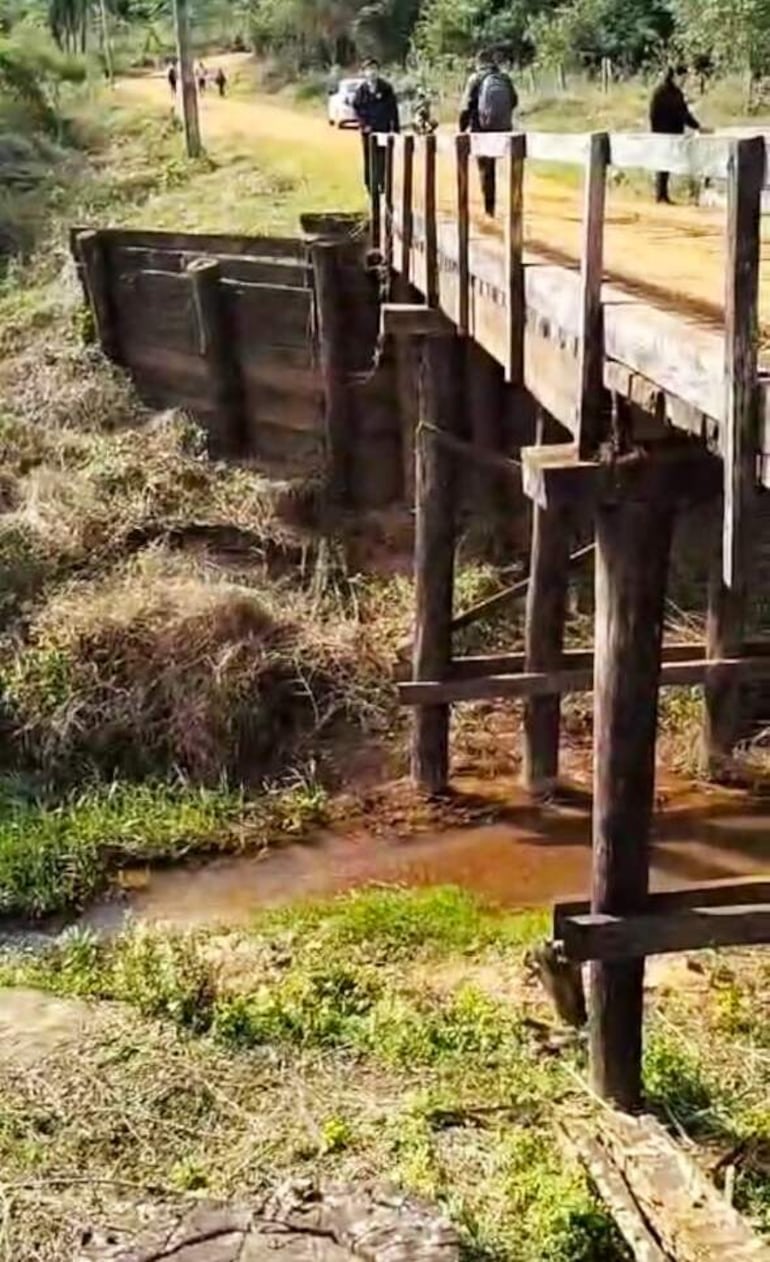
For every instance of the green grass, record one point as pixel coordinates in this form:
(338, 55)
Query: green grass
(58, 856)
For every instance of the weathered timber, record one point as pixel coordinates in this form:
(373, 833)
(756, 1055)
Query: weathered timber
(96, 275)
(216, 347)
(485, 404)
(601, 937)
(749, 890)
(554, 475)
(545, 614)
(475, 665)
(462, 153)
(513, 247)
(331, 336)
(407, 197)
(588, 422)
(738, 433)
(633, 540)
(473, 452)
(572, 678)
(279, 315)
(375, 196)
(431, 231)
(580, 1142)
(435, 483)
(388, 199)
(725, 626)
(209, 243)
(690, 1217)
(413, 319)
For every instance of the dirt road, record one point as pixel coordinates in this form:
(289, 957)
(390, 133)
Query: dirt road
(674, 255)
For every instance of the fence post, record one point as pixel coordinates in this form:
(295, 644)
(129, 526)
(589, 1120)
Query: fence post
(215, 345)
(514, 247)
(462, 154)
(96, 275)
(431, 230)
(588, 421)
(331, 338)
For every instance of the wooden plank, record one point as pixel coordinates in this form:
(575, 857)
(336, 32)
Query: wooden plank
(215, 243)
(513, 247)
(429, 211)
(689, 1215)
(388, 198)
(699, 157)
(613, 938)
(725, 626)
(588, 421)
(462, 153)
(331, 330)
(375, 197)
(155, 307)
(407, 199)
(96, 277)
(738, 433)
(280, 315)
(558, 147)
(581, 1144)
(217, 347)
(413, 319)
(435, 480)
(473, 452)
(725, 893)
(633, 540)
(263, 270)
(544, 618)
(680, 654)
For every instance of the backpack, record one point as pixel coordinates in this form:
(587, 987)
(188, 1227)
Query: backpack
(496, 102)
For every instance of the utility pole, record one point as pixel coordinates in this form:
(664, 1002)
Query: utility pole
(192, 132)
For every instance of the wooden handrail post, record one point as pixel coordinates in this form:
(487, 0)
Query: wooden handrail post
(331, 336)
(374, 191)
(96, 275)
(431, 231)
(216, 347)
(407, 210)
(588, 421)
(462, 155)
(514, 247)
(388, 190)
(738, 436)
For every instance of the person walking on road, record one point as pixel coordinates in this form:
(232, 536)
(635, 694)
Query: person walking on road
(202, 77)
(220, 79)
(669, 116)
(488, 103)
(376, 108)
(171, 76)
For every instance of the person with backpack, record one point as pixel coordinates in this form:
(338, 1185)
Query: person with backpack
(488, 103)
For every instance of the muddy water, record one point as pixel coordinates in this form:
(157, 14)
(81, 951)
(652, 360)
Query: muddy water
(527, 856)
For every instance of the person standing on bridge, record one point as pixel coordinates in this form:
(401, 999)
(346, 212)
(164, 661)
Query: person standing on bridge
(488, 103)
(376, 108)
(669, 116)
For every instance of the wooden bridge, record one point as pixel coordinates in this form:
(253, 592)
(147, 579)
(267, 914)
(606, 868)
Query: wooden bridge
(657, 411)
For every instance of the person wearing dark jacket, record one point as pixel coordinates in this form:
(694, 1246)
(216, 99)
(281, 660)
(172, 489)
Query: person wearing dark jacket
(669, 116)
(488, 103)
(376, 108)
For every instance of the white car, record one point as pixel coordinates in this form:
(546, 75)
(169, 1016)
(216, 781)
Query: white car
(341, 103)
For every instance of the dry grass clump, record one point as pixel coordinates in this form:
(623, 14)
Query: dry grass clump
(167, 666)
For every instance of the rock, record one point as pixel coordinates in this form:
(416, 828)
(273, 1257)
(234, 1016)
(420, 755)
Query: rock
(300, 1222)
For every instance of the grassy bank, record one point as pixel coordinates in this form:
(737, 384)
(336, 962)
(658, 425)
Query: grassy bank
(388, 1034)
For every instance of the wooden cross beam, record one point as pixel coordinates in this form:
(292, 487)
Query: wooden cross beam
(599, 936)
(554, 475)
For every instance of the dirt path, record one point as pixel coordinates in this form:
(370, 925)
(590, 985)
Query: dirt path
(671, 254)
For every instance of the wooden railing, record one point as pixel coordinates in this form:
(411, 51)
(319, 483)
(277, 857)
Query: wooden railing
(729, 389)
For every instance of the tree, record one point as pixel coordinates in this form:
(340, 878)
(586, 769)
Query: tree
(735, 33)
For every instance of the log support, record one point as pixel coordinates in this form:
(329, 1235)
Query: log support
(633, 540)
(440, 396)
(91, 252)
(725, 628)
(331, 337)
(216, 347)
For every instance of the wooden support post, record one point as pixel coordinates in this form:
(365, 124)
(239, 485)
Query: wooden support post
(331, 337)
(97, 284)
(375, 198)
(431, 230)
(514, 246)
(388, 188)
(192, 131)
(738, 433)
(633, 541)
(440, 404)
(725, 629)
(216, 346)
(463, 149)
(407, 211)
(588, 422)
(544, 638)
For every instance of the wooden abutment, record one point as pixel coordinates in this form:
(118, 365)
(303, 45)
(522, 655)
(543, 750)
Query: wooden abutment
(653, 412)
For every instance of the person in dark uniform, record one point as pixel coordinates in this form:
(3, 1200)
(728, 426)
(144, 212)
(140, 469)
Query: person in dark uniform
(220, 79)
(376, 108)
(669, 116)
(171, 76)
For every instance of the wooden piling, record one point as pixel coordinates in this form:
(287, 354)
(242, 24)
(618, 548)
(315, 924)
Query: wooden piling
(431, 226)
(633, 541)
(374, 193)
(97, 283)
(216, 346)
(331, 340)
(462, 154)
(544, 638)
(725, 632)
(588, 429)
(435, 478)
